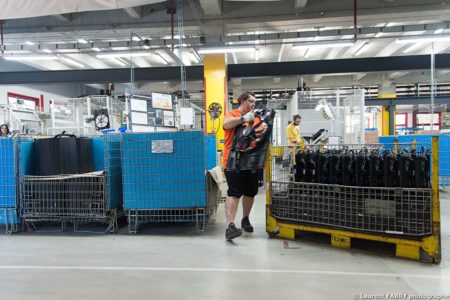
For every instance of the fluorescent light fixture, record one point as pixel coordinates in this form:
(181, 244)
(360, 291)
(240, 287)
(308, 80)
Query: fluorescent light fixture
(324, 44)
(29, 57)
(72, 62)
(29, 43)
(161, 59)
(96, 49)
(123, 54)
(120, 48)
(82, 41)
(359, 50)
(47, 50)
(225, 49)
(424, 38)
(257, 54)
(73, 51)
(439, 31)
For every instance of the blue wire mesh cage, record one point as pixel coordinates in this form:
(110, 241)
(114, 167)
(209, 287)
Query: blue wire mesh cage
(164, 175)
(8, 184)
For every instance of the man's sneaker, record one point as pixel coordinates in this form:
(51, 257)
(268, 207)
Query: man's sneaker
(245, 224)
(232, 232)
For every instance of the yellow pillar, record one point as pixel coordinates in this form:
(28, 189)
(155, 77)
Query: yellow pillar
(215, 74)
(385, 120)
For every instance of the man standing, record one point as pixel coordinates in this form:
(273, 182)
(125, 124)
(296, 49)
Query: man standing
(293, 131)
(293, 135)
(240, 183)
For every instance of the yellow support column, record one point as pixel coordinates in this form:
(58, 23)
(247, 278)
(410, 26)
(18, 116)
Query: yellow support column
(385, 121)
(432, 244)
(215, 74)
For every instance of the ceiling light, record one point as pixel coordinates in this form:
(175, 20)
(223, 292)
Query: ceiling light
(29, 57)
(96, 49)
(72, 62)
(29, 43)
(119, 48)
(324, 44)
(257, 54)
(82, 41)
(123, 54)
(439, 31)
(73, 51)
(225, 49)
(47, 50)
(146, 47)
(424, 38)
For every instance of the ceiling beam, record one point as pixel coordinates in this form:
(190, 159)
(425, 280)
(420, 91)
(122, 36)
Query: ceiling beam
(352, 65)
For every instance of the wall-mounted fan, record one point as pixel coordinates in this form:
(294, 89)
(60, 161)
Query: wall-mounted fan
(101, 119)
(215, 109)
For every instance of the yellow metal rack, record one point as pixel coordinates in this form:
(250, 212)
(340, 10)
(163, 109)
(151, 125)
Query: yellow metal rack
(421, 248)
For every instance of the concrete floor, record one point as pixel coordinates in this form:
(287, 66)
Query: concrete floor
(169, 262)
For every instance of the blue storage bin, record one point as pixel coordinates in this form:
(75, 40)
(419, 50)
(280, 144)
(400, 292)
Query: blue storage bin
(9, 216)
(8, 174)
(166, 180)
(106, 150)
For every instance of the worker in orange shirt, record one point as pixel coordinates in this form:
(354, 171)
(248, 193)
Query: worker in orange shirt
(240, 183)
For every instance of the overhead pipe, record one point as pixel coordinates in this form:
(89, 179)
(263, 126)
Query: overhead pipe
(171, 9)
(355, 8)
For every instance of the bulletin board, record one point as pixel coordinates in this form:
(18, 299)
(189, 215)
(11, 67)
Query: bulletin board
(151, 113)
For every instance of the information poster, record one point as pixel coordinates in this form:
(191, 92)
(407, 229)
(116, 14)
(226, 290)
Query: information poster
(162, 101)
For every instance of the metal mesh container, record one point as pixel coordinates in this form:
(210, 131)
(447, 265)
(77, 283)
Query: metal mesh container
(164, 177)
(387, 210)
(75, 198)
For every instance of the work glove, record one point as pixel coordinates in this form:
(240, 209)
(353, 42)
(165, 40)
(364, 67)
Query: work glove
(248, 117)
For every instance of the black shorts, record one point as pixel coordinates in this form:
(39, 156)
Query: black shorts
(242, 183)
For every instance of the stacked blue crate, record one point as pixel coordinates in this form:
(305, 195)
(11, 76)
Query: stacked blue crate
(8, 182)
(106, 157)
(173, 180)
